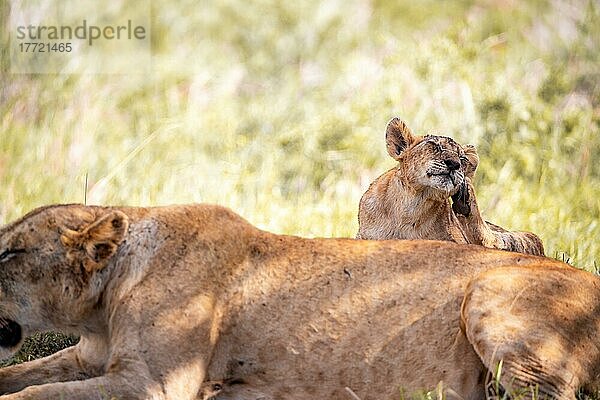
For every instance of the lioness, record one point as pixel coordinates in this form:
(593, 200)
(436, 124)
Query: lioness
(412, 200)
(167, 298)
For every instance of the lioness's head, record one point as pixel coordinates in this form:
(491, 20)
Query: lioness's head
(50, 261)
(436, 165)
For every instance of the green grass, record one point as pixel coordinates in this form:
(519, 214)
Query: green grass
(278, 109)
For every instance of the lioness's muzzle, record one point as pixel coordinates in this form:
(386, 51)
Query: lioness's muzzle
(10, 333)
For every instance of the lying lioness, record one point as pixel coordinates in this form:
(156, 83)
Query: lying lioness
(168, 298)
(412, 200)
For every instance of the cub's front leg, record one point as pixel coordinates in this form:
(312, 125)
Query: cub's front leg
(485, 233)
(467, 212)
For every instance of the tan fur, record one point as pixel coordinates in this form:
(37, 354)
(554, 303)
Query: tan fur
(193, 294)
(412, 200)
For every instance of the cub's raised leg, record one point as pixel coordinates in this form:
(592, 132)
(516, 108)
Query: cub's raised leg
(479, 231)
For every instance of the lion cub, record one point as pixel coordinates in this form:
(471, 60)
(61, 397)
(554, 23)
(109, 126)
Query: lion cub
(412, 200)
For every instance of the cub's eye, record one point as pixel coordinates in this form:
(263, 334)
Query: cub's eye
(463, 159)
(10, 253)
(436, 146)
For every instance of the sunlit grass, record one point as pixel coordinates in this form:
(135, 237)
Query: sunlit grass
(288, 131)
(283, 121)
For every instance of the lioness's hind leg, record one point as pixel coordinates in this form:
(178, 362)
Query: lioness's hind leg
(538, 325)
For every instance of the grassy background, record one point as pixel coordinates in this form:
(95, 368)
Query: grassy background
(277, 110)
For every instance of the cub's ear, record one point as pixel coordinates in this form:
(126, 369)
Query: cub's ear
(472, 160)
(98, 241)
(397, 137)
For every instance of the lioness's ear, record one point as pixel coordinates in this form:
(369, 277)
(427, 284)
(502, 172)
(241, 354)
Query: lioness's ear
(99, 240)
(472, 160)
(397, 137)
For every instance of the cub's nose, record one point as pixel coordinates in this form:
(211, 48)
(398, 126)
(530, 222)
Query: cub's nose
(452, 165)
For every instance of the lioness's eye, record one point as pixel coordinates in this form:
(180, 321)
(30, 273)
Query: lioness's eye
(10, 253)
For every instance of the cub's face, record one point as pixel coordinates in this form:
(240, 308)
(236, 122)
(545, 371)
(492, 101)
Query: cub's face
(436, 162)
(434, 165)
(47, 260)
